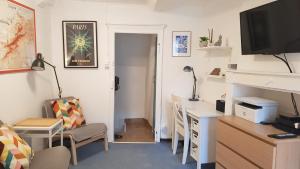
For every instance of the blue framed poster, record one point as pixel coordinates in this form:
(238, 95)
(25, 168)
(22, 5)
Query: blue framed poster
(182, 43)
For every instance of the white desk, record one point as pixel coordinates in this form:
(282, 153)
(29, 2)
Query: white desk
(203, 134)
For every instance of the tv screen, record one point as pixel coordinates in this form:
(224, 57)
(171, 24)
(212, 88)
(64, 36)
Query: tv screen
(273, 28)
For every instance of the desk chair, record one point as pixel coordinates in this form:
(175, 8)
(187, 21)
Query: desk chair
(181, 127)
(175, 99)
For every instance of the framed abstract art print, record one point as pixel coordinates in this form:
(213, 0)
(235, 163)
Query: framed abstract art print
(182, 43)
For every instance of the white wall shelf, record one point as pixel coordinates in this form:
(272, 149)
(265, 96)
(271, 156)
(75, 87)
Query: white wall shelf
(215, 48)
(221, 76)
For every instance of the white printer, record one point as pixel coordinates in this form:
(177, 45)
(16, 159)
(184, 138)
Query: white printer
(256, 109)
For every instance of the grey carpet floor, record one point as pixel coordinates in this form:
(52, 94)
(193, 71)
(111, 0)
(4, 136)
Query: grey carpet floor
(131, 156)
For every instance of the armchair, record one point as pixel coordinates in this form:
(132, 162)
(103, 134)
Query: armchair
(81, 136)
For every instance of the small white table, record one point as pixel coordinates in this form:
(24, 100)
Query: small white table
(203, 136)
(40, 128)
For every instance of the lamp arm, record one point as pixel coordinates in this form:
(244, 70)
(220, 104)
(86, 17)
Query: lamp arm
(54, 68)
(195, 85)
(194, 90)
(49, 64)
(194, 75)
(59, 88)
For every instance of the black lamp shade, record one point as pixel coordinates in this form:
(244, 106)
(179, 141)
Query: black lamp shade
(38, 63)
(187, 69)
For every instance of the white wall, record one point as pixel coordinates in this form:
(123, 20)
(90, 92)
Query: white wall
(150, 81)
(22, 94)
(132, 53)
(93, 86)
(227, 23)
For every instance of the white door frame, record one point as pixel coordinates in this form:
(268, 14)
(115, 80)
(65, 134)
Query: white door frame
(136, 29)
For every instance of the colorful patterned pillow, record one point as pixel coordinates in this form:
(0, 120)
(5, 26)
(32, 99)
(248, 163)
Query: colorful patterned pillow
(15, 153)
(70, 111)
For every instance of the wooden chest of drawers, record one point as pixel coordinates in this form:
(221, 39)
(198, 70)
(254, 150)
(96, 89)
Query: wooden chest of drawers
(245, 145)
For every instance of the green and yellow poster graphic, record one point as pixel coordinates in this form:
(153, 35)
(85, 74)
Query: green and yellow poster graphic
(80, 44)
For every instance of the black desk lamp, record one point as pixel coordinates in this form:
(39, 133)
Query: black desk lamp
(190, 69)
(38, 65)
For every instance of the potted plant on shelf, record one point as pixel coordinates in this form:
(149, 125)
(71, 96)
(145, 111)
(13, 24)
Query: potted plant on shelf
(203, 42)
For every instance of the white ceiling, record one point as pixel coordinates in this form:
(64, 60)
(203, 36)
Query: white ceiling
(157, 4)
(184, 7)
(44, 3)
(121, 1)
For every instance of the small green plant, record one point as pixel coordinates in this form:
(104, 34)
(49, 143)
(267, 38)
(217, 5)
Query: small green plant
(204, 39)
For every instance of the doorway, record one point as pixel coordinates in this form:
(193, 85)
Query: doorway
(135, 74)
(157, 30)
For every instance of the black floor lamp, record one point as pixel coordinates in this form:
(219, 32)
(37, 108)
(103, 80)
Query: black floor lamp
(190, 69)
(38, 65)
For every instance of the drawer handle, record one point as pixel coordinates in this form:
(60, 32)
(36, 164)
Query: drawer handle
(244, 113)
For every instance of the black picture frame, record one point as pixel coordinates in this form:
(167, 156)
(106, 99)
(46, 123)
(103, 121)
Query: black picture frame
(83, 38)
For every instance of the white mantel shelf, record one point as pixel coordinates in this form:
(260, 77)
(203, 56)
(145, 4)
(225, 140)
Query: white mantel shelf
(295, 75)
(286, 82)
(245, 83)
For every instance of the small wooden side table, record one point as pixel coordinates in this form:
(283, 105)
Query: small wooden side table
(40, 128)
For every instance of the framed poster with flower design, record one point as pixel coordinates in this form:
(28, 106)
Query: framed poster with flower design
(80, 44)
(17, 37)
(182, 43)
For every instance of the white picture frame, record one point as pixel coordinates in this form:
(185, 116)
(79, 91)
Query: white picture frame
(181, 46)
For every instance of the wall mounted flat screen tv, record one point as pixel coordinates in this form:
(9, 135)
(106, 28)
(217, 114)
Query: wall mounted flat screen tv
(273, 28)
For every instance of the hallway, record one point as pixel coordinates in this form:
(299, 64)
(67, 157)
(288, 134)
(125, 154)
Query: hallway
(137, 130)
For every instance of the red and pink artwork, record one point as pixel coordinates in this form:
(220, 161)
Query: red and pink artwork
(17, 36)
